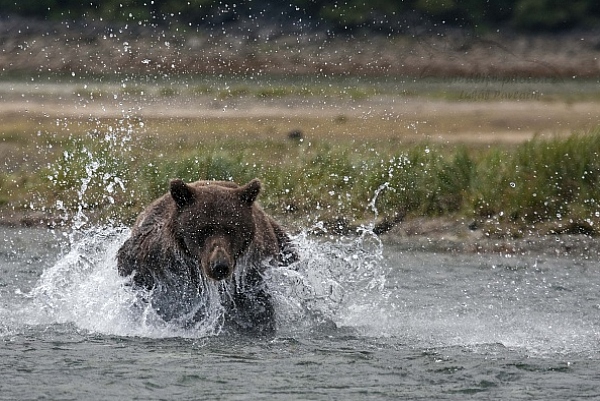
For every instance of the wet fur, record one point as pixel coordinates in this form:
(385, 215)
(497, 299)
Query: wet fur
(157, 258)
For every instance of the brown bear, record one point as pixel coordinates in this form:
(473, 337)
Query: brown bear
(204, 238)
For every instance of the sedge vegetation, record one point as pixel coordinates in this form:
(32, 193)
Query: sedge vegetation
(107, 172)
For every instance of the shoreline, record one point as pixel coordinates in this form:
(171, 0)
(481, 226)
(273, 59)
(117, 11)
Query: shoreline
(452, 123)
(421, 234)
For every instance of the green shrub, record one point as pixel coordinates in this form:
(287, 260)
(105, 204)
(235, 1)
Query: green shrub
(112, 176)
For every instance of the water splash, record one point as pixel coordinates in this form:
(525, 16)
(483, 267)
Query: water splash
(83, 288)
(90, 173)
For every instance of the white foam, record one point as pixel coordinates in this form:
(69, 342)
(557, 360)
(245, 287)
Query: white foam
(84, 288)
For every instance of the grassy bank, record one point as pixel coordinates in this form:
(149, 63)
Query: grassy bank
(108, 170)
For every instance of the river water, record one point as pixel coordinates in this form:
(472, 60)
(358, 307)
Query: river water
(357, 320)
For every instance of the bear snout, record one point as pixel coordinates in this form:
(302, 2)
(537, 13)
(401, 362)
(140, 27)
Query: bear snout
(219, 271)
(219, 265)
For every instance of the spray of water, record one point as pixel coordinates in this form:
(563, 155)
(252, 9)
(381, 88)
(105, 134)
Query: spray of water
(84, 288)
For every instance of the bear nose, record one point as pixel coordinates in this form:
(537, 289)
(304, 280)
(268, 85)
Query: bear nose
(219, 270)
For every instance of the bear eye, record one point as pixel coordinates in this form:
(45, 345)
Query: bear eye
(203, 233)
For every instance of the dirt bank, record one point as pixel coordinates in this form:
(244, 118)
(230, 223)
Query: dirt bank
(31, 47)
(459, 235)
(405, 120)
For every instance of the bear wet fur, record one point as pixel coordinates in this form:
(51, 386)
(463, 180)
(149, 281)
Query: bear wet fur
(207, 231)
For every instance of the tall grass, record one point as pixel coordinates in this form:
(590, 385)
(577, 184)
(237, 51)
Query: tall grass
(110, 179)
(543, 180)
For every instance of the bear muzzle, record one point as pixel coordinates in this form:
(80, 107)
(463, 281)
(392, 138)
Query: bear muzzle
(219, 270)
(219, 265)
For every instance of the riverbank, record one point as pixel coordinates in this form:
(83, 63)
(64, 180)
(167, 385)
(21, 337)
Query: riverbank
(422, 234)
(91, 48)
(96, 152)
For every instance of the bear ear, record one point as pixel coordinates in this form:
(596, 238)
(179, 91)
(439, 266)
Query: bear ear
(249, 192)
(181, 193)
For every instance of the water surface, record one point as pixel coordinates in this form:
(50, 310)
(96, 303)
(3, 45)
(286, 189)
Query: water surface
(357, 320)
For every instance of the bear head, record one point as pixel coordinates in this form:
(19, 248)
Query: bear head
(214, 223)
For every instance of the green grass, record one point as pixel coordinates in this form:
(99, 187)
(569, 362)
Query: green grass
(111, 177)
(109, 169)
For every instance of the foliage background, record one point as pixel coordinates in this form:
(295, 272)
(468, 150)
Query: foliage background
(383, 15)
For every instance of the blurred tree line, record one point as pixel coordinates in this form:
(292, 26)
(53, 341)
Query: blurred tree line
(346, 15)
